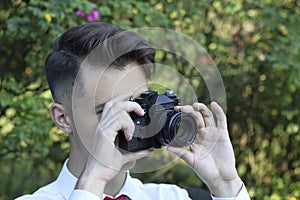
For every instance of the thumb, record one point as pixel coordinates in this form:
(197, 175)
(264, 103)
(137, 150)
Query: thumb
(183, 153)
(129, 157)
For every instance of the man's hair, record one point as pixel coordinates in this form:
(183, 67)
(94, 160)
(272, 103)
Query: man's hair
(72, 47)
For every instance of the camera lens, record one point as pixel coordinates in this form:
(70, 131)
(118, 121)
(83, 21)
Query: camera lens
(180, 129)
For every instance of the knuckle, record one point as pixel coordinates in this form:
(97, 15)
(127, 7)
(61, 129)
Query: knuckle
(196, 105)
(135, 104)
(187, 108)
(199, 106)
(118, 105)
(207, 113)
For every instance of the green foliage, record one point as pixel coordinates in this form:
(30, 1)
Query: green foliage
(256, 45)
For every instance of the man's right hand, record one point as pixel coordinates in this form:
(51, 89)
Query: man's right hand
(105, 160)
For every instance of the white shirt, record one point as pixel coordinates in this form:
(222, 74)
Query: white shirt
(63, 188)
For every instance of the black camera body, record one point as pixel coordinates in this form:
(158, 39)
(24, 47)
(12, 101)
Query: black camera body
(161, 125)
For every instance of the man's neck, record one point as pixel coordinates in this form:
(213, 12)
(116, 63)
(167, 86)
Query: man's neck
(76, 166)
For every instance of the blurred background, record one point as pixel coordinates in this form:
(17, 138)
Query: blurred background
(255, 45)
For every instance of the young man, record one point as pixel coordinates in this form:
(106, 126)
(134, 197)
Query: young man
(92, 72)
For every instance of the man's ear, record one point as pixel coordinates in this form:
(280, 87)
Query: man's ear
(60, 117)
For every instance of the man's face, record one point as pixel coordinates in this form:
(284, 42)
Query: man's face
(99, 86)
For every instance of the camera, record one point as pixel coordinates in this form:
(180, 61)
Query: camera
(161, 125)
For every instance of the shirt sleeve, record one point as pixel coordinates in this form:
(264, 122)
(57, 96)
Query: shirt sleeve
(82, 195)
(243, 195)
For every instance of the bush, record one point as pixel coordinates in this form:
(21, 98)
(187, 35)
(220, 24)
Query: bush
(255, 44)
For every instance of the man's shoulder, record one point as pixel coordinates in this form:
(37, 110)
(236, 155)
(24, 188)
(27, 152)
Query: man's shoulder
(47, 192)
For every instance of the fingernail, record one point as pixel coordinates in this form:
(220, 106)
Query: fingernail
(178, 108)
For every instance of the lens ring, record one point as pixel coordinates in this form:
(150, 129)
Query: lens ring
(182, 130)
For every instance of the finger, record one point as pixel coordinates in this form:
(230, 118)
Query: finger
(182, 153)
(129, 157)
(120, 121)
(206, 114)
(124, 106)
(127, 106)
(104, 134)
(221, 117)
(118, 98)
(190, 110)
(127, 126)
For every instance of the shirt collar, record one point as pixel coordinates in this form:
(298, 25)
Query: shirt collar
(66, 182)
(130, 188)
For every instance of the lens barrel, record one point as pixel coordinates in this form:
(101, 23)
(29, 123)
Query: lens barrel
(180, 130)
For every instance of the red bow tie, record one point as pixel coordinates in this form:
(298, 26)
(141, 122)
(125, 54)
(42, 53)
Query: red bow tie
(122, 197)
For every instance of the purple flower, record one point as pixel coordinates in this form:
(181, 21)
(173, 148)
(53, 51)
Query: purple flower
(80, 13)
(93, 16)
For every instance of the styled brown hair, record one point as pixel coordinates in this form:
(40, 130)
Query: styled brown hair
(72, 47)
